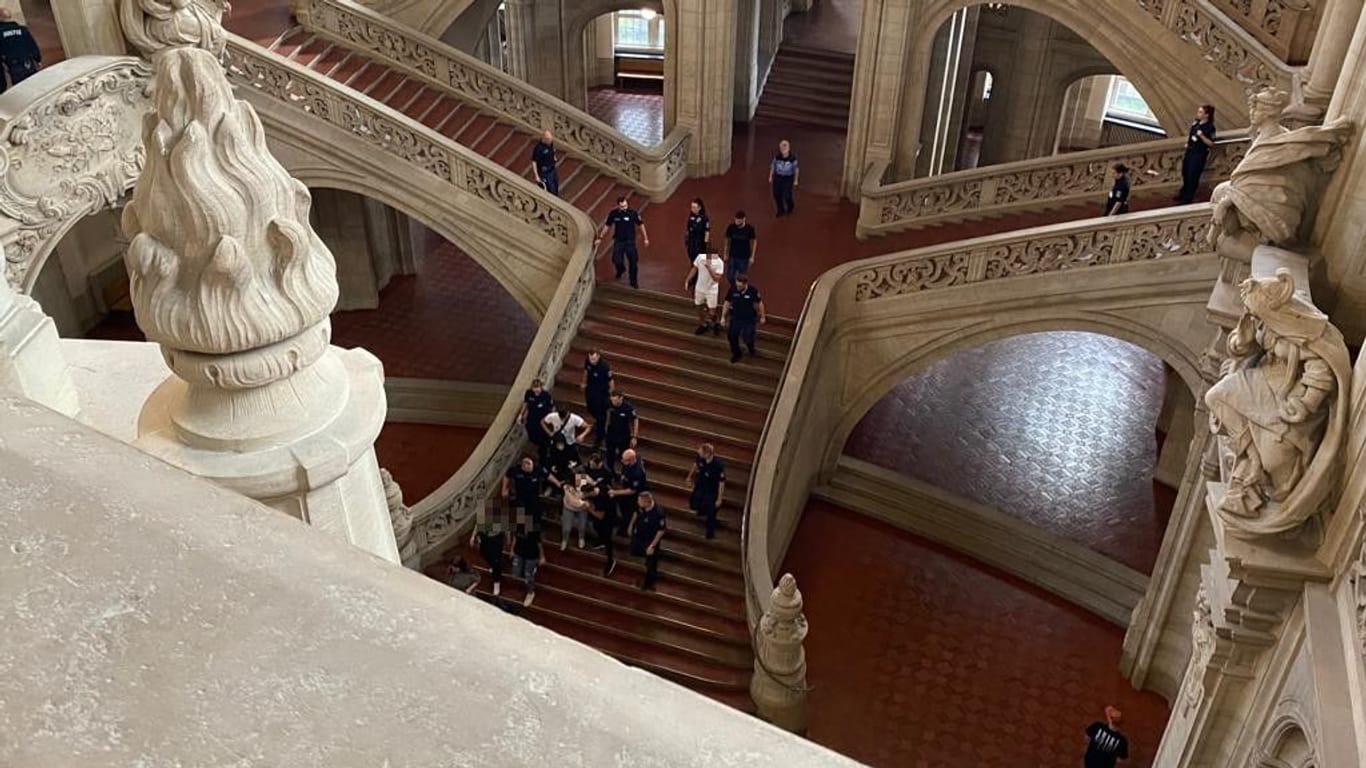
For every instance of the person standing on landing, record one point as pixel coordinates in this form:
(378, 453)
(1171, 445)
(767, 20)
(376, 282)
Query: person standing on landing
(1199, 141)
(1106, 747)
(1118, 200)
(624, 221)
(742, 247)
(784, 175)
(543, 160)
(705, 277)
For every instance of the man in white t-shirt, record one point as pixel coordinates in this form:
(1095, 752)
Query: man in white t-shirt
(709, 269)
(571, 425)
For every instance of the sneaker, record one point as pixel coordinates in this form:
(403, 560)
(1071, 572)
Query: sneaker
(497, 587)
(610, 569)
(564, 544)
(582, 543)
(526, 601)
(735, 358)
(701, 329)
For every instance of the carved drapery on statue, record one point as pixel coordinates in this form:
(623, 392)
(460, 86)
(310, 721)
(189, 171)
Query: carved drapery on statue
(1282, 406)
(153, 26)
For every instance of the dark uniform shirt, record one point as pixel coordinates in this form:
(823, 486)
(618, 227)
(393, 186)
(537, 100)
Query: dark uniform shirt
(527, 545)
(602, 478)
(648, 523)
(526, 486)
(698, 227)
(1119, 193)
(537, 406)
(624, 224)
(744, 305)
(619, 419)
(1194, 146)
(599, 377)
(543, 155)
(633, 478)
(17, 45)
(709, 475)
(741, 241)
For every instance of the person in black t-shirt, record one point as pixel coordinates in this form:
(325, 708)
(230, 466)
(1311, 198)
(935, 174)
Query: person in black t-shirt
(528, 554)
(623, 427)
(597, 391)
(742, 247)
(536, 404)
(624, 222)
(543, 160)
(745, 309)
(604, 510)
(1199, 140)
(1117, 201)
(707, 479)
(490, 538)
(1105, 745)
(19, 52)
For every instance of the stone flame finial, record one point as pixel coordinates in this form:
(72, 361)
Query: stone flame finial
(153, 26)
(222, 258)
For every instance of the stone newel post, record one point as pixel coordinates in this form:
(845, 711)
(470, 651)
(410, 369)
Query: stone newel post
(778, 686)
(230, 279)
(30, 361)
(402, 520)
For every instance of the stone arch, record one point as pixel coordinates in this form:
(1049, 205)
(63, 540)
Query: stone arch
(574, 24)
(1287, 744)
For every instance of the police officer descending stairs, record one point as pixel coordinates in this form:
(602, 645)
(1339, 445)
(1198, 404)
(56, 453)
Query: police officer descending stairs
(18, 50)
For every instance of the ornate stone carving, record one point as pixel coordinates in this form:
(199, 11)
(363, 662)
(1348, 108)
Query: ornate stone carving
(779, 682)
(1281, 405)
(1274, 23)
(68, 153)
(1267, 197)
(1202, 651)
(399, 516)
(1359, 588)
(153, 26)
(1225, 51)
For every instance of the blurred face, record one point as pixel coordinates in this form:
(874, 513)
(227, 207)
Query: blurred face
(694, 207)
(594, 357)
(616, 399)
(784, 147)
(742, 283)
(740, 221)
(1200, 115)
(527, 464)
(1113, 715)
(621, 204)
(536, 389)
(548, 137)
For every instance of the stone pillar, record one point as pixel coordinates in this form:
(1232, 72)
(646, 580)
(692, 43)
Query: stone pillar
(947, 98)
(401, 519)
(89, 27)
(747, 60)
(519, 17)
(1022, 88)
(889, 89)
(1331, 43)
(227, 275)
(1177, 422)
(31, 361)
(779, 683)
(699, 80)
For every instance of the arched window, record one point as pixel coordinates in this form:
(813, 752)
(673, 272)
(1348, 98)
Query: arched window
(639, 31)
(1125, 103)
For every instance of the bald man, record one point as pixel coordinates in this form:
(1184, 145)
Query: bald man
(543, 160)
(18, 51)
(633, 483)
(1106, 747)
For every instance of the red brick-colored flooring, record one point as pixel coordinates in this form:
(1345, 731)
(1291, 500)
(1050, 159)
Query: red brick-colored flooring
(423, 456)
(922, 658)
(637, 114)
(1055, 428)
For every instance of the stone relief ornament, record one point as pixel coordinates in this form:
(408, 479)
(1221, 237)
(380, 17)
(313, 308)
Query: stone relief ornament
(1267, 197)
(1281, 405)
(1202, 651)
(153, 26)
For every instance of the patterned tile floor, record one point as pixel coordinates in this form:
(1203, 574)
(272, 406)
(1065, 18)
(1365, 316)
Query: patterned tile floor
(1057, 428)
(921, 658)
(638, 114)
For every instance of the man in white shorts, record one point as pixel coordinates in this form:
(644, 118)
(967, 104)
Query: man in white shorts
(709, 269)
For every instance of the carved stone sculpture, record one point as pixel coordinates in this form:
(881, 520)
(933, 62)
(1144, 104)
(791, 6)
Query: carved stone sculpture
(1281, 405)
(1202, 650)
(778, 686)
(228, 276)
(399, 516)
(31, 361)
(1268, 195)
(153, 26)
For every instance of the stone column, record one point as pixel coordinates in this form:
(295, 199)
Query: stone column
(1331, 43)
(699, 80)
(890, 79)
(227, 275)
(519, 17)
(89, 27)
(747, 63)
(31, 361)
(779, 683)
(1022, 88)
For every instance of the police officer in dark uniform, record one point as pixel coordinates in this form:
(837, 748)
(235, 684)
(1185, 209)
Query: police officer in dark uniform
(624, 222)
(647, 531)
(1199, 141)
(522, 487)
(623, 427)
(745, 308)
(536, 403)
(707, 479)
(1117, 201)
(604, 511)
(597, 391)
(543, 158)
(697, 232)
(18, 50)
(633, 483)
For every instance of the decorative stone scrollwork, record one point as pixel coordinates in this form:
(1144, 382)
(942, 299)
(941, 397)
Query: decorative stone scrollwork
(70, 152)
(1282, 408)
(153, 26)
(399, 516)
(1231, 56)
(1359, 586)
(1202, 652)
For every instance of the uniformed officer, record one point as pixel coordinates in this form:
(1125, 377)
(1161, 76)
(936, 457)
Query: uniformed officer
(696, 233)
(633, 483)
(597, 391)
(647, 531)
(543, 158)
(604, 511)
(522, 486)
(18, 50)
(1117, 201)
(745, 308)
(623, 427)
(1199, 141)
(536, 405)
(624, 222)
(707, 479)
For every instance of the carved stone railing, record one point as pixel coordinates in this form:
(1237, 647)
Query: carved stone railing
(1030, 185)
(1222, 42)
(1286, 27)
(656, 171)
(70, 146)
(1151, 259)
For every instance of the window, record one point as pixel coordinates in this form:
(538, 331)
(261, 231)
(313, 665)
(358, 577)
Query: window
(1125, 103)
(638, 31)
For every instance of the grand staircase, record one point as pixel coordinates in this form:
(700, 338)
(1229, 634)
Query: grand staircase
(808, 86)
(443, 111)
(692, 629)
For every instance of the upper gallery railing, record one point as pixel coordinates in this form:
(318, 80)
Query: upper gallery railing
(568, 232)
(656, 171)
(1030, 185)
(1285, 26)
(1222, 42)
(806, 409)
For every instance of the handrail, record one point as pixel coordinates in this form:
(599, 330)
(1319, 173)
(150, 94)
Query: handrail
(656, 171)
(1284, 29)
(1034, 184)
(1146, 236)
(567, 231)
(1222, 42)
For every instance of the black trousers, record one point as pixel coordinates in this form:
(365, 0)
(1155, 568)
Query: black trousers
(1192, 167)
(597, 408)
(782, 193)
(491, 549)
(616, 446)
(740, 331)
(550, 179)
(651, 562)
(536, 434)
(624, 258)
(703, 501)
(605, 529)
(736, 267)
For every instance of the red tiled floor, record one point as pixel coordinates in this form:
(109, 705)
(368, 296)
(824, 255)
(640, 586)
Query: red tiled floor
(422, 456)
(639, 115)
(1055, 428)
(922, 658)
(830, 25)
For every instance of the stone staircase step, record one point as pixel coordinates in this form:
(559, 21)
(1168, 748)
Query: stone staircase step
(682, 421)
(644, 346)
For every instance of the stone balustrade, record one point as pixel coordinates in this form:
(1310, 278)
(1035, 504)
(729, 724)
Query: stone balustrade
(1222, 42)
(1030, 185)
(655, 171)
(1286, 27)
